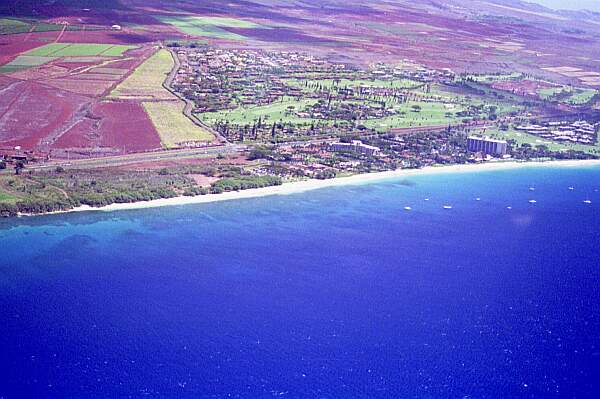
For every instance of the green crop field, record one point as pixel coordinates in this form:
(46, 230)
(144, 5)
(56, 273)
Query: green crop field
(173, 126)
(23, 62)
(46, 50)
(79, 50)
(146, 82)
(214, 27)
(11, 26)
(5, 197)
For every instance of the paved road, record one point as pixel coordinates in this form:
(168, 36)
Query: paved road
(189, 106)
(120, 160)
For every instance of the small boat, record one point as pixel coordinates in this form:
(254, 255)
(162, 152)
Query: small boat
(532, 201)
(477, 199)
(426, 199)
(571, 188)
(407, 208)
(531, 188)
(447, 207)
(509, 207)
(587, 202)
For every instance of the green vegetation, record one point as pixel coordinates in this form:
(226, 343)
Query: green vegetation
(500, 77)
(146, 82)
(59, 189)
(79, 50)
(354, 83)
(520, 138)
(11, 26)
(23, 62)
(275, 112)
(569, 95)
(50, 52)
(244, 183)
(209, 26)
(173, 126)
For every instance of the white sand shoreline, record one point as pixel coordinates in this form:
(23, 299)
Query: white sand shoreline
(309, 185)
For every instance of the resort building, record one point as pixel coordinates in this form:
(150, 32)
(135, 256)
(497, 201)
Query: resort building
(487, 145)
(355, 146)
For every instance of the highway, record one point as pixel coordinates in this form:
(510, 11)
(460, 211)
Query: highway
(120, 160)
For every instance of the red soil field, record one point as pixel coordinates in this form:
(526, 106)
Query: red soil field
(12, 45)
(121, 126)
(32, 115)
(84, 87)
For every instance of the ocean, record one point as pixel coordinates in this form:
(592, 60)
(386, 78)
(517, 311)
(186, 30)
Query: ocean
(362, 291)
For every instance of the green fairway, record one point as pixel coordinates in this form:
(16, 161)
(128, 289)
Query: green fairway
(274, 112)
(525, 138)
(342, 83)
(569, 95)
(430, 114)
(214, 27)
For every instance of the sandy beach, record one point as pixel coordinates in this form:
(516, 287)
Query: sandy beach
(308, 185)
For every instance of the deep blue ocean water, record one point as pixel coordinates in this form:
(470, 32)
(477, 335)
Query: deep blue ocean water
(336, 293)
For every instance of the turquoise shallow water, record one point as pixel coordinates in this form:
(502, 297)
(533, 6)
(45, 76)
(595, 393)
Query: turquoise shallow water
(335, 293)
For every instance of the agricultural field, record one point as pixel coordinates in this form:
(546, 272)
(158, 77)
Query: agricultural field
(111, 127)
(79, 50)
(212, 27)
(24, 62)
(146, 81)
(174, 128)
(11, 26)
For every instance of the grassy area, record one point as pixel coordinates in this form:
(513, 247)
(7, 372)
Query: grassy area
(146, 82)
(214, 27)
(495, 78)
(569, 95)
(274, 112)
(328, 83)
(524, 138)
(7, 198)
(431, 114)
(79, 50)
(426, 113)
(173, 126)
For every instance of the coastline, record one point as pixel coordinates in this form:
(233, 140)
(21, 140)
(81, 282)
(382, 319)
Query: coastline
(314, 184)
